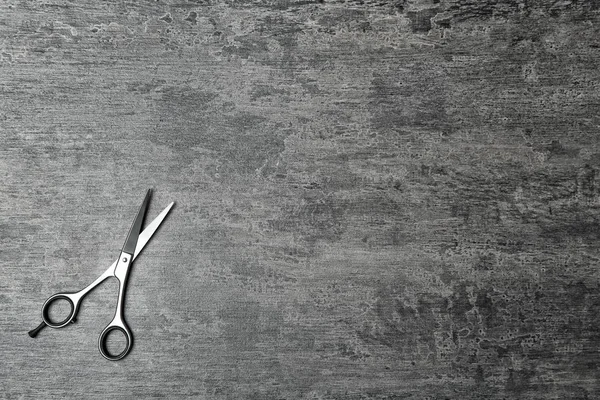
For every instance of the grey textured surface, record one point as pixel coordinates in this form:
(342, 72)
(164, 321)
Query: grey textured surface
(375, 200)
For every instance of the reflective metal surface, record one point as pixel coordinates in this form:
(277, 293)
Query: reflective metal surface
(120, 270)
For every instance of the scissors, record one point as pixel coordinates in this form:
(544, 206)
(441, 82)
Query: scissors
(134, 244)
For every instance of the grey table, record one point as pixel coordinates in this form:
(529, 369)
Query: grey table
(375, 200)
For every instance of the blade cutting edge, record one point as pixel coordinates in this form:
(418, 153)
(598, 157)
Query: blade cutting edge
(150, 229)
(134, 232)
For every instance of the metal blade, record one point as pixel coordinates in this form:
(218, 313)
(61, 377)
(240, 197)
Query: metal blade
(132, 238)
(150, 229)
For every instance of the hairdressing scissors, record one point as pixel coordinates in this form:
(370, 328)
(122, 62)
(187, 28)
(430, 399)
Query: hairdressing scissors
(134, 244)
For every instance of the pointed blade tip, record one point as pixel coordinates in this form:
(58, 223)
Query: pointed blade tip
(168, 208)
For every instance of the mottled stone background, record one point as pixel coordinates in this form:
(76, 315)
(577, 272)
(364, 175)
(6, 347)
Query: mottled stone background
(375, 199)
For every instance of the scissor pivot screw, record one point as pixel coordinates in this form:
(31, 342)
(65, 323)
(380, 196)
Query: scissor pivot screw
(124, 259)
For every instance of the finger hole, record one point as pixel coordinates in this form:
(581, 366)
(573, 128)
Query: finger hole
(58, 311)
(114, 343)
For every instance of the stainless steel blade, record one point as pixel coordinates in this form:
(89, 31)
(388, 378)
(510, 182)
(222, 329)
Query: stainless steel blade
(134, 233)
(150, 229)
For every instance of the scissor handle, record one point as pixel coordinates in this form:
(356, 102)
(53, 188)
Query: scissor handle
(121, 272)
(116, 325)
(72, 298)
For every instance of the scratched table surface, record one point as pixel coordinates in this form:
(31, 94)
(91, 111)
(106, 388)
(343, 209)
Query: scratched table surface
(374, 199)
